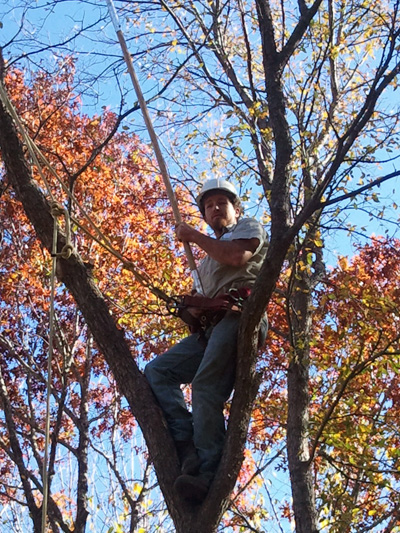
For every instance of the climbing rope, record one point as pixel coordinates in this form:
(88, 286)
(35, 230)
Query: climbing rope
(40, 161)
(67, 250)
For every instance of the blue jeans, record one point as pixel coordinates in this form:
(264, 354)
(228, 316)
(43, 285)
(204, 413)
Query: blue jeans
(209, 364)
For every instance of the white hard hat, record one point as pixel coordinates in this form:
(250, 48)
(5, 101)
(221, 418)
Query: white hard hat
(217, 185)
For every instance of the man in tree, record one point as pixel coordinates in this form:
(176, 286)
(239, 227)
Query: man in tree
(208, 360)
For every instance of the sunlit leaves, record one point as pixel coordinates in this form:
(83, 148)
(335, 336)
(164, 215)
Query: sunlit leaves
(356, 359)
(206, 63)
(125, 198)
(354, 384)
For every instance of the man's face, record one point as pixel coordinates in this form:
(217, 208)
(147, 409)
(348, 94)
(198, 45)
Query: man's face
(219, 212)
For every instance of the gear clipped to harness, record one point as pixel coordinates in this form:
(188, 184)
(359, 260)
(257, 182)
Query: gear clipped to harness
(210, 310)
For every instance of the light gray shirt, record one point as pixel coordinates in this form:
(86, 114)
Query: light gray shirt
(217, 278)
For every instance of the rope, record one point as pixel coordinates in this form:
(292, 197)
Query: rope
(142, 277)
(56, 211)
(67, 250)
(28, 141)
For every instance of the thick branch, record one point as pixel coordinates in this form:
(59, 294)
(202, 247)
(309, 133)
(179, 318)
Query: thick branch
(110, 339)
(247, 378)
(18, 457)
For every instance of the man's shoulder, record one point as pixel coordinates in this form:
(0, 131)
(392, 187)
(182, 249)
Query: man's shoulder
(248, 221)
(249, 226)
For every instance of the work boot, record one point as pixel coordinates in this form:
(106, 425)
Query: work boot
(188, 457)
(193, 489)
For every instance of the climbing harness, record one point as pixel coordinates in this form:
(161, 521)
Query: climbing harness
(154, 141)
(209, 310)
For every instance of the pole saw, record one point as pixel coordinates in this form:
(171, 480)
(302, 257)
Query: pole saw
(154, 141)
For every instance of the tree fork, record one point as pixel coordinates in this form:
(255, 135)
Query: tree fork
(132, 383)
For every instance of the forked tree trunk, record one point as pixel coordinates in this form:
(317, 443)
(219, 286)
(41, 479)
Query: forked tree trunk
(131, 382)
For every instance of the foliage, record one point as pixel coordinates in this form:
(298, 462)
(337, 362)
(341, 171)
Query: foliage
(353, 430)
(296, 103)
(327, 85)
(355, 389)
(123, 195)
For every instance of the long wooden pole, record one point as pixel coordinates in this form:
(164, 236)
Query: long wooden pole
(154, 141)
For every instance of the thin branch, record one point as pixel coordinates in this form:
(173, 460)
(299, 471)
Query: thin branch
(352, 194)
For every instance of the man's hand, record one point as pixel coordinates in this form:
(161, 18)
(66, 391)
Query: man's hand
(186, 233)
(196, 311)
(234, 253)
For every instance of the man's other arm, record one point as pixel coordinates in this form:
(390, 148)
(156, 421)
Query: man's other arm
(233, 253)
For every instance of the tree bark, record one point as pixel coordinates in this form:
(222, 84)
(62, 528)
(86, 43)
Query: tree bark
(109, 338)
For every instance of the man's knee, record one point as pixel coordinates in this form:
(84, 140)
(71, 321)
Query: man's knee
(151, 372)
(210, 391)
(159, 374)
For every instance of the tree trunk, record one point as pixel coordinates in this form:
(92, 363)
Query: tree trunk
(109, 338)
(132, 383)
(82, 512)
(297, 446)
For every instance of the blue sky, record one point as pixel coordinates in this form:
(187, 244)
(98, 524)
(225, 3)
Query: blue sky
(61, 23)
(50, 25)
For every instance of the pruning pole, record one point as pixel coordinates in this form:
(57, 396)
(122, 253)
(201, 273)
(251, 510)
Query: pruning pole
(154, 141)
